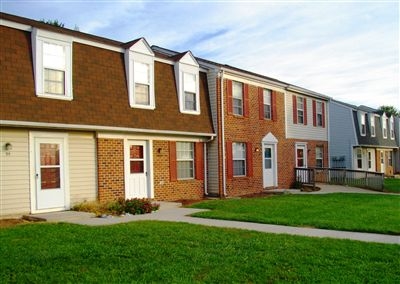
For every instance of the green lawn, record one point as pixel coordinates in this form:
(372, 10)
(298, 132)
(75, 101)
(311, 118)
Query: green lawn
(339, 211)
(162, 252)
(392, 184)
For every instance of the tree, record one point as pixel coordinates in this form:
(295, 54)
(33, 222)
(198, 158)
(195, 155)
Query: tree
(389, 110)
(53, 23)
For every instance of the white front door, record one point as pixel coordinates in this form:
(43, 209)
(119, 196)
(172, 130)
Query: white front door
(269, 165)
(49, 171)
(301, 156)
(136, 170)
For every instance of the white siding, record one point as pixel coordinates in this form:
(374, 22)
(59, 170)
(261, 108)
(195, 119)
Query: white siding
(14, 172)
(300, 131)
(82, 165)
(212, 148)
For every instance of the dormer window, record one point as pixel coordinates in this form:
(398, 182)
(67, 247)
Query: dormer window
(187, 83)
(363, 127)
(372, 125)
(52, 62)
(391, 128)
(139, 67)
(384, 126)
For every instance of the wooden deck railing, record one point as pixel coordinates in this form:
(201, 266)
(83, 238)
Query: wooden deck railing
(363, 179)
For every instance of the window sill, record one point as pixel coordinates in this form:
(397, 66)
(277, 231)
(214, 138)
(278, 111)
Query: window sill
(55, 97)
(190, 112)
(143, 107)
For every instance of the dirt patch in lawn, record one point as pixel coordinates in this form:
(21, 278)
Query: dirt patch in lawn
(5, 223)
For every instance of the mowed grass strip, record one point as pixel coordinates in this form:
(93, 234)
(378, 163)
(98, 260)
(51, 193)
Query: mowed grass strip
(373, 213)
(392, 185)
(162, 252)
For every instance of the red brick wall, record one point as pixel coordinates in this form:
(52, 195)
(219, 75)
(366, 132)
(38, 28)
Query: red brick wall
(166, 190)
(252, 129)
(110, 163)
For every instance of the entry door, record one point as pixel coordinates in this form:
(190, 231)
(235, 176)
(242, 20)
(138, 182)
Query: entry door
(49, 173)
(301, 156)
(137, 180)
(269, 166)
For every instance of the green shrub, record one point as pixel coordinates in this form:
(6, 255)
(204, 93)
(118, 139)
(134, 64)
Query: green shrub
(117, 207)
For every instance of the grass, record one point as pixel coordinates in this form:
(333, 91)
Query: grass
(392, 185)
(339, 211)
(162, 252)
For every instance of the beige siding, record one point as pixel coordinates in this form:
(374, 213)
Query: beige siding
(300, 131)
(14, 172)
(82, 167)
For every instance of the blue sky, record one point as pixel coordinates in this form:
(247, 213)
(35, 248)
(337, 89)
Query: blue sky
(348, 50)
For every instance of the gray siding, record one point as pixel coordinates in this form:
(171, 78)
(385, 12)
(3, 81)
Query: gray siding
(342, 135)
(212, 149)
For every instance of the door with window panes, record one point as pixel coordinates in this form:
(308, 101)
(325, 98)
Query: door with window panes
(136, 164)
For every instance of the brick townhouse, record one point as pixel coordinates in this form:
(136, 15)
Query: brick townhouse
(84, 117)
(265, 128)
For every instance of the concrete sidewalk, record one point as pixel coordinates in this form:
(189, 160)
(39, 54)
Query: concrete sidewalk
(172, 212)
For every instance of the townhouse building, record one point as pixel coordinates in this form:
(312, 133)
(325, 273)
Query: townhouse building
(363, 138)
(84, 117)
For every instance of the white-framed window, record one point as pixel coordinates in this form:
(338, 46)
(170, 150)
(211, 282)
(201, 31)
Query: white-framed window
(391, 128)
(363, 127)
(52, 60)
(190, 91)
(359, 158)
(369, 160)
(185, 160)
(237, 98)
(390, 160)
(372, 125)
(300, 110)
(187, 74)
(319, 114)
(239, 158)
(319, 157)
(267, 104)
(139, 65)
(384, 126)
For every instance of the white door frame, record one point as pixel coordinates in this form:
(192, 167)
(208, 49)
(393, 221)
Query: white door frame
(270, 140)
(33, 135)
(148, 165)
(302, 145)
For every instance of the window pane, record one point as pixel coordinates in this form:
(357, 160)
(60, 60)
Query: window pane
(190, 101)
(268, 163)
(300, 116)
(50, 178)
(141, 73)
(142, 96)
(54, 81)
(267, 97)
(237, 107)
(267, 111)
(185, 169)
(239, 151)
(49, 154)
(189, 82)
(136, 152)
(300, 105)
(237, 90)
(53, 56)
(137, 167)
(239, 168)
(267, 153)
(184, 151)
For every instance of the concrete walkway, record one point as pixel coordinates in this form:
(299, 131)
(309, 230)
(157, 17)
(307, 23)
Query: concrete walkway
(172, 212)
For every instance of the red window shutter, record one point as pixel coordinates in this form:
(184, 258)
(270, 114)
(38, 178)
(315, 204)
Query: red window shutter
(261, 103)
(229, 159)
(305, 111)
(245, 100)
(273, 105)
(229, 96)
(323, 115)
(199, 156)
(249, 159)
(314, 112)
(172, 161)
(294, 109)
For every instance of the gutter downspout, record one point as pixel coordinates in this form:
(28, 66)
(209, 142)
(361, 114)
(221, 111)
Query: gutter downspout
(223, 134)
(205, 165)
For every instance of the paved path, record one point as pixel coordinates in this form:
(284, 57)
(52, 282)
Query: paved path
(173, 213)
